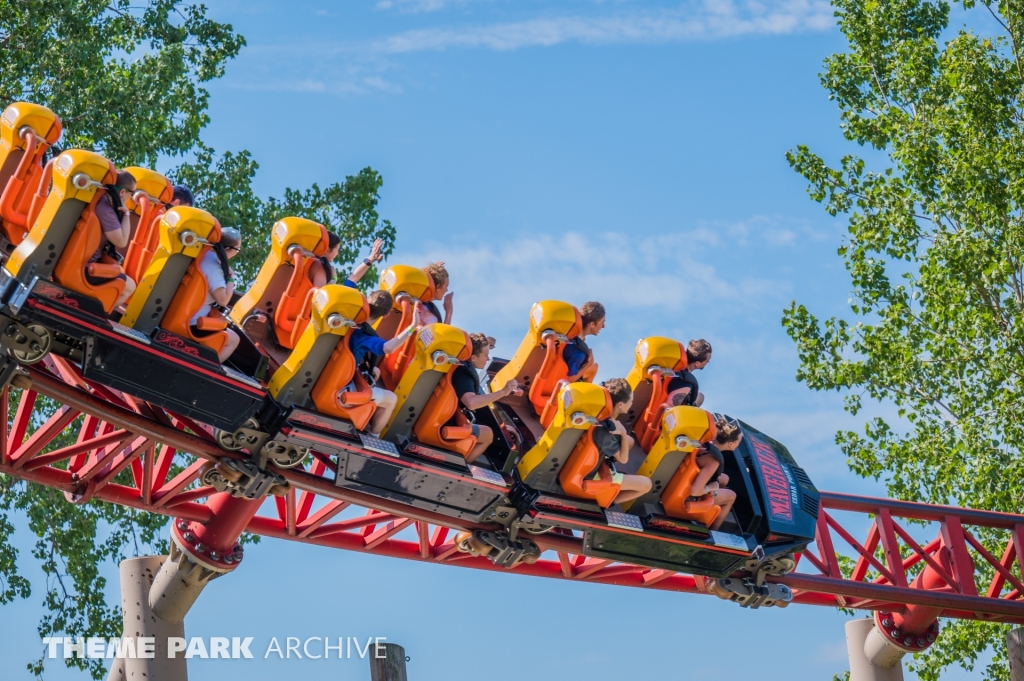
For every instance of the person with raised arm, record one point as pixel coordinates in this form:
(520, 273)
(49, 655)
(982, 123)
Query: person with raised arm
(439, 275)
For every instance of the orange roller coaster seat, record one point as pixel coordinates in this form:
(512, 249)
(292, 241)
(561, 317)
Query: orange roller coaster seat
(538, 364)
(148, 205)
(190, 297)
(432, 426)
(656, 361)
(585, 475)
(677, 499)
(672, 467)
(329, 394)
(320, 369)
(407, 285)
(578, 407)
(282, 285)
(289, 320)
(26, 132)
(73, 269)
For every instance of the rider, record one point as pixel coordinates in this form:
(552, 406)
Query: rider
(577, 355)
(712, 478)
(220, 280)
(682, 389)
(368, 349)
(115, 229)
(485, 379)
(439, 275)
(363, 267)
(321, 272)
(614, 443)
(182, 196)
(470, 393)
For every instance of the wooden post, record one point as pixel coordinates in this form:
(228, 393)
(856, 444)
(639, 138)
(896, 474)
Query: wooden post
(390, 666)
(1015, 651)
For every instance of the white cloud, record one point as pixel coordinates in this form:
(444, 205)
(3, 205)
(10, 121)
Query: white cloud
(356, 85)
(683, 284)
(340, 67)
(412, 6)
(707, 20)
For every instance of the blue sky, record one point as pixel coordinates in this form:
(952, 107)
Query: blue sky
(628, 152)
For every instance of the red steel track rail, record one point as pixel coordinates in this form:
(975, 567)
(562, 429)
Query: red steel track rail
(126, 451)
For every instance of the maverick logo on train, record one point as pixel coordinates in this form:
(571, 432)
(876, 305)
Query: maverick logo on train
(108, 270)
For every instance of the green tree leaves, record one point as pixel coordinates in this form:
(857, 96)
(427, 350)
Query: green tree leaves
(222, 185)
(935, 251)
(126, 80)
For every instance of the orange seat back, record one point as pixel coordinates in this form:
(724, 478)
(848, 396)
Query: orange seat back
(26, 132)
(145, 241)
(676, 497)
(578, 472)
(647, 427)
(288, 323)
(657, 360)
(430, 428)
(153, 192)
(38, 197)
(553, 370)
(189, 298)
(355, 405)
(72, 268)
(538, 365)
(393, 366)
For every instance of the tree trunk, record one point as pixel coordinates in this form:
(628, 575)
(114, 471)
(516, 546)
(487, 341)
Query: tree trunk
(389, 667)
(1015, 651)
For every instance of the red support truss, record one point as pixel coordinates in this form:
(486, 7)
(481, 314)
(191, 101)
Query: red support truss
(975, 554)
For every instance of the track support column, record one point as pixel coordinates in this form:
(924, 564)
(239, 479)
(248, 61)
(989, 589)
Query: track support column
(137, 576)
(862, 668)
(1015, 651)
(390, 666)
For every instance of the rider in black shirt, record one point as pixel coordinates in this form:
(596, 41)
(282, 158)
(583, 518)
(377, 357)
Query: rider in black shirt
(466, 382)
(683, 388)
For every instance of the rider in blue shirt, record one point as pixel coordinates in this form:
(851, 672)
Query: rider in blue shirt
(577, 355)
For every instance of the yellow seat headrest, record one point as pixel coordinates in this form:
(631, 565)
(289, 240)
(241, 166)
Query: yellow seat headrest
(451, 342)
(154, 184)
(337, 308)
(580, 404)
(294, 231)
(411, 281)
(658, 351)
(683, 425)
(554, 315)
(43, 122)
(183, 229)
